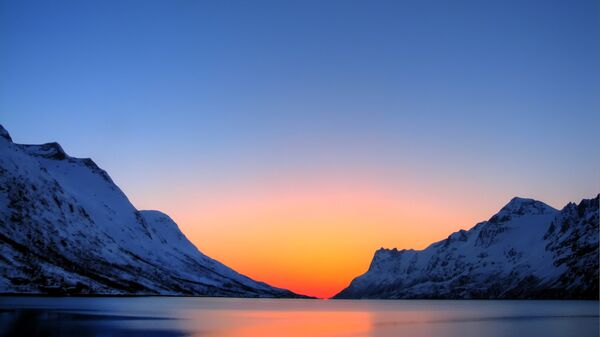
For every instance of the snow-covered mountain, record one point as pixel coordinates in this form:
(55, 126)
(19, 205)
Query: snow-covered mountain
(527, 250)
(65, 227)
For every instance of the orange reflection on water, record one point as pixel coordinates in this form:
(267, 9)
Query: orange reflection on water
(296, 323)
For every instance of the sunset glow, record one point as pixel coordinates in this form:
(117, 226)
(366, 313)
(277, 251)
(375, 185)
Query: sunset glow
(313, 235)
(290, 140)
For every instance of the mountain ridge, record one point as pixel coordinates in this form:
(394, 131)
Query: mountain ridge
(66, 228)
(514, 254)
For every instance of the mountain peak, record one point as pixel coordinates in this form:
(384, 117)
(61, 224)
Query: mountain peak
(529, 251)
(518, 206)
(67, 228)
(4, 133)
(48, 150)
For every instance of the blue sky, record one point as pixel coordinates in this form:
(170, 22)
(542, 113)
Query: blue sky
(502, 94)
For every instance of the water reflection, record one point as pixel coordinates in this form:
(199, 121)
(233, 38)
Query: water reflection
(50, 323)
(298, 323)
(171, 317)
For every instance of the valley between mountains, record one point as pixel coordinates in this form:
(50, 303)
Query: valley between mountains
(67, 229)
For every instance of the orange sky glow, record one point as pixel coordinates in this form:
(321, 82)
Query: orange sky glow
(312, 235)
(292, 139)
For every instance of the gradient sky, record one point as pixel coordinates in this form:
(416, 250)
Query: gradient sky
(290, 139)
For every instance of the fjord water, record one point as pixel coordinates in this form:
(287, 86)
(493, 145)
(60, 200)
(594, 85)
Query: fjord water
(177, 316)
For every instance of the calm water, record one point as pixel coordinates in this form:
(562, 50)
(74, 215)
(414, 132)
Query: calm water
(171, 317)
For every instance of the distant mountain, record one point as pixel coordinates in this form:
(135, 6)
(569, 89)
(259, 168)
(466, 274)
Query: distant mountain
(66, 228)
(527, 250)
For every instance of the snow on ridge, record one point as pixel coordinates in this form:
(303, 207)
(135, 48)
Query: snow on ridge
(49, 150)
(527, 250)
(521, 206)
(65, 227)
(517, 207)
(4, 133)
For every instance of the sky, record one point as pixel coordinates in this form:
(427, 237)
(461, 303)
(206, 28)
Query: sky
(291, 139)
